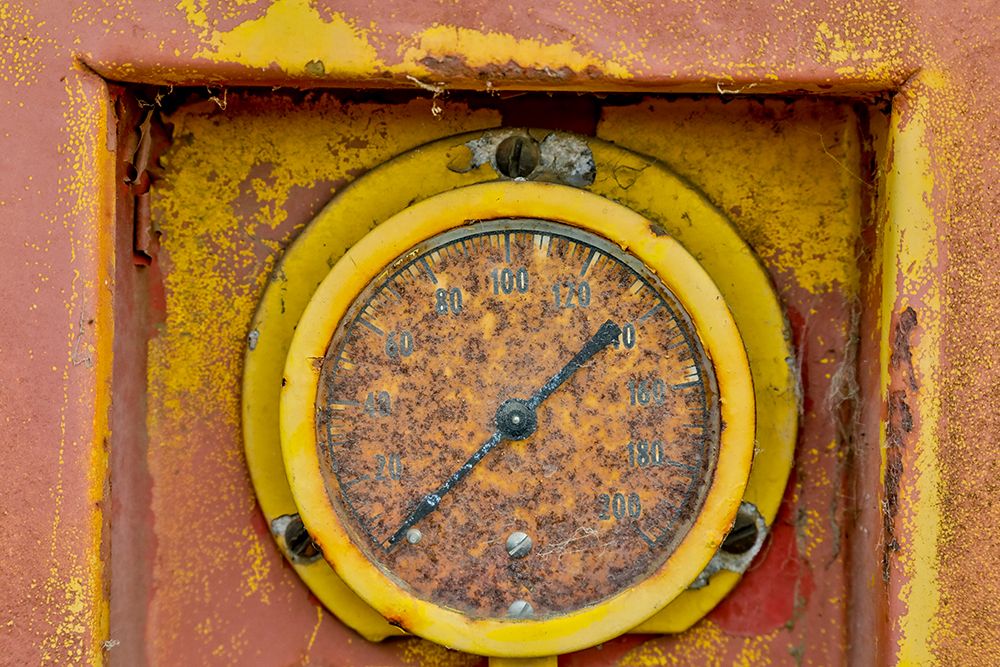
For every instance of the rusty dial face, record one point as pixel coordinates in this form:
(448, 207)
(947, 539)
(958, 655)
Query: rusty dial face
(517, 418)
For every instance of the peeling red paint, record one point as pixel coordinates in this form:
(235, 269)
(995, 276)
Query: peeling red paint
(776, 587)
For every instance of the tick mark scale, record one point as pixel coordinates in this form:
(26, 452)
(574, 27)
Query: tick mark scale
(530, 377)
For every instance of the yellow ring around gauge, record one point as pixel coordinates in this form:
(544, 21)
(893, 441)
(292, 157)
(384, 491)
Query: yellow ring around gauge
(637, 181)
(680, 273)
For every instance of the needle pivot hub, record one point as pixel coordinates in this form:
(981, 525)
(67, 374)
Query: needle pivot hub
(516, 420)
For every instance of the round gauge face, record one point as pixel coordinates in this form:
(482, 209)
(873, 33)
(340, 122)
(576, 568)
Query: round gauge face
(517, 419)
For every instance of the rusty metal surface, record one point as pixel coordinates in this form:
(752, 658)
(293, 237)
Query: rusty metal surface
(197, 574)
(499, 343)
(56, 275)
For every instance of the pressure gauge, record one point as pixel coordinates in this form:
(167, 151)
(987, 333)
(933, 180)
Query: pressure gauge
(517, 419)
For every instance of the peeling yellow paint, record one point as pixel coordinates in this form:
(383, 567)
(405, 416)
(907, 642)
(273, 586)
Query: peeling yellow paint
(293, 36)
(76, 608)
(548, 661)
(477, 49)
(312, 637)
(700, 646)
(222, 207)
(256, 580)
(21, 42)
(866, 44)
(424, 654)
(97, 14)
(194, 10)
(910, 264)
(803, 222)
(209, 169)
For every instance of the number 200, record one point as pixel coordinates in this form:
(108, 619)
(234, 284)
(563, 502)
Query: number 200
(618, 506)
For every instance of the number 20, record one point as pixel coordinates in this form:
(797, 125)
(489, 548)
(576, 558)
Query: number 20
(390, 468)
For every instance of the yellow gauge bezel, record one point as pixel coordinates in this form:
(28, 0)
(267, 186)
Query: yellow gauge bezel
(370, 258)
(637, 181)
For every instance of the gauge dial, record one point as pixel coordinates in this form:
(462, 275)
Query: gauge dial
(517, 418)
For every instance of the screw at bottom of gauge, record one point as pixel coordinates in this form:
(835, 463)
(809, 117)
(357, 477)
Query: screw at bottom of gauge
(517, 545)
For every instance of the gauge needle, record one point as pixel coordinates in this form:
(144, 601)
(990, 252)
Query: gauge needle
(515, 420)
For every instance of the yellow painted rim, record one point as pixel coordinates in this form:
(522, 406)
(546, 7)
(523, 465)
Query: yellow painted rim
(655, 191)
(678, 270)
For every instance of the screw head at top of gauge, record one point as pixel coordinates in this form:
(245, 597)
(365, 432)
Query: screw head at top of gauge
(517, 378)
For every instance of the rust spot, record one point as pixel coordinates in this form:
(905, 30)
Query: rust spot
(898, 426)
(315, 68)
(902, 357)
(456, 67)
(145, 238)
(460, 159)
(145, 138)
(657, 229)
(397, 622)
